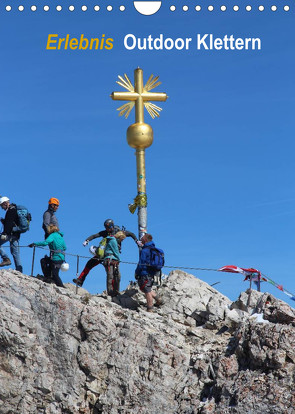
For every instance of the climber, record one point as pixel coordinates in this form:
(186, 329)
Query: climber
(110, 229)
(145, 272)
(10, 233)
(49, 216)
(56, 243)
(111, 262)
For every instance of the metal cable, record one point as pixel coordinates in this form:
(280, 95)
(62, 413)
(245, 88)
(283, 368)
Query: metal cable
(277, 285)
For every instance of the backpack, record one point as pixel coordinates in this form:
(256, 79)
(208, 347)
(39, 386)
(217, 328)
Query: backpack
(101, 248)
(157, 259)
(24, 218)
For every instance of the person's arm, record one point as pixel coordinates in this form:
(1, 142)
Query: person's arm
(46, 219)
(142, 268)
(102, 233)
(44, 242)
(130, 234)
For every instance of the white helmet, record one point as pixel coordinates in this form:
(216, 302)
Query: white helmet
(3, 199)
(93, 250)
(64, 267)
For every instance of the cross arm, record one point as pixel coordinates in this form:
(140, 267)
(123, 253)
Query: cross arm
(154, 96)
(124, 96)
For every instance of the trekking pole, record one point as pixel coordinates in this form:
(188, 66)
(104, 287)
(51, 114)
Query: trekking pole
(33, 260)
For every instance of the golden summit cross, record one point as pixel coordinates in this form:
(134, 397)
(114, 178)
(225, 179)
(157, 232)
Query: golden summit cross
(139, 96)
(139, 135)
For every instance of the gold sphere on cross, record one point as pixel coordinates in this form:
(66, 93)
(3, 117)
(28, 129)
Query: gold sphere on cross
(140, 135)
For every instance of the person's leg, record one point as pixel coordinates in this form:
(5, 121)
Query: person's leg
(2, 252)
(89, 265)
(14, 249)
(109, 268)
(55, 266)
(145, 284)
(117, 279)
(46, 266)
(150, 299)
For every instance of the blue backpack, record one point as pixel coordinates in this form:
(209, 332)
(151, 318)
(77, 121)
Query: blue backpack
(24, 218)
(157, 259)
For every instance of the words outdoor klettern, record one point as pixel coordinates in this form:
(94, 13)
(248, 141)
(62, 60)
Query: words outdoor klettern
(206, 41)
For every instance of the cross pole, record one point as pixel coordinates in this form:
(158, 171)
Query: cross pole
(139, 134)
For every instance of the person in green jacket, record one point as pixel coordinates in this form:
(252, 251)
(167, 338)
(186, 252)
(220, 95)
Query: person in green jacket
(111, 263)
(56, 243)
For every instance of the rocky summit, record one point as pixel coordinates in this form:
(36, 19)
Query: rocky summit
(68, 352)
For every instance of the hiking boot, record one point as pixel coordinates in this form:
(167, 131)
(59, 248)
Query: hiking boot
(78, 282)
(48, 280)
(5, 262)
(150, 309)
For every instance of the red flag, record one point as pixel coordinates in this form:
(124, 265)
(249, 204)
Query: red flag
(256, 275)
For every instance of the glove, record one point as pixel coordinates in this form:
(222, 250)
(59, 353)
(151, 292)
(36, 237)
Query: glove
(2, 220)
(139, 243)
(31, 245)
(4, 237)
(85, 243)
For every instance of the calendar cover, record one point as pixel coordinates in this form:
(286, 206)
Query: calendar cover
(214, 84)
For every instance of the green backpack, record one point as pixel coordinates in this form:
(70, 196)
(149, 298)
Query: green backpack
(101, 248)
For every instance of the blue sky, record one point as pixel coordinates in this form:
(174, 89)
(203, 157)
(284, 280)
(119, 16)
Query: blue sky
(220, 173)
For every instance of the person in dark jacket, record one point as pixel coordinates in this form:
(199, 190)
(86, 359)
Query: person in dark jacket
(57, 245)
(49, 216)
(10, 223)
(110, 229)
(145, 274)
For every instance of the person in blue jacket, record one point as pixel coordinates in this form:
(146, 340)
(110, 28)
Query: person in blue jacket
(57, 245)
(145, 274)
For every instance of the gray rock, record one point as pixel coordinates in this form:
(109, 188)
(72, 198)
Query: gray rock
(63, 351)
